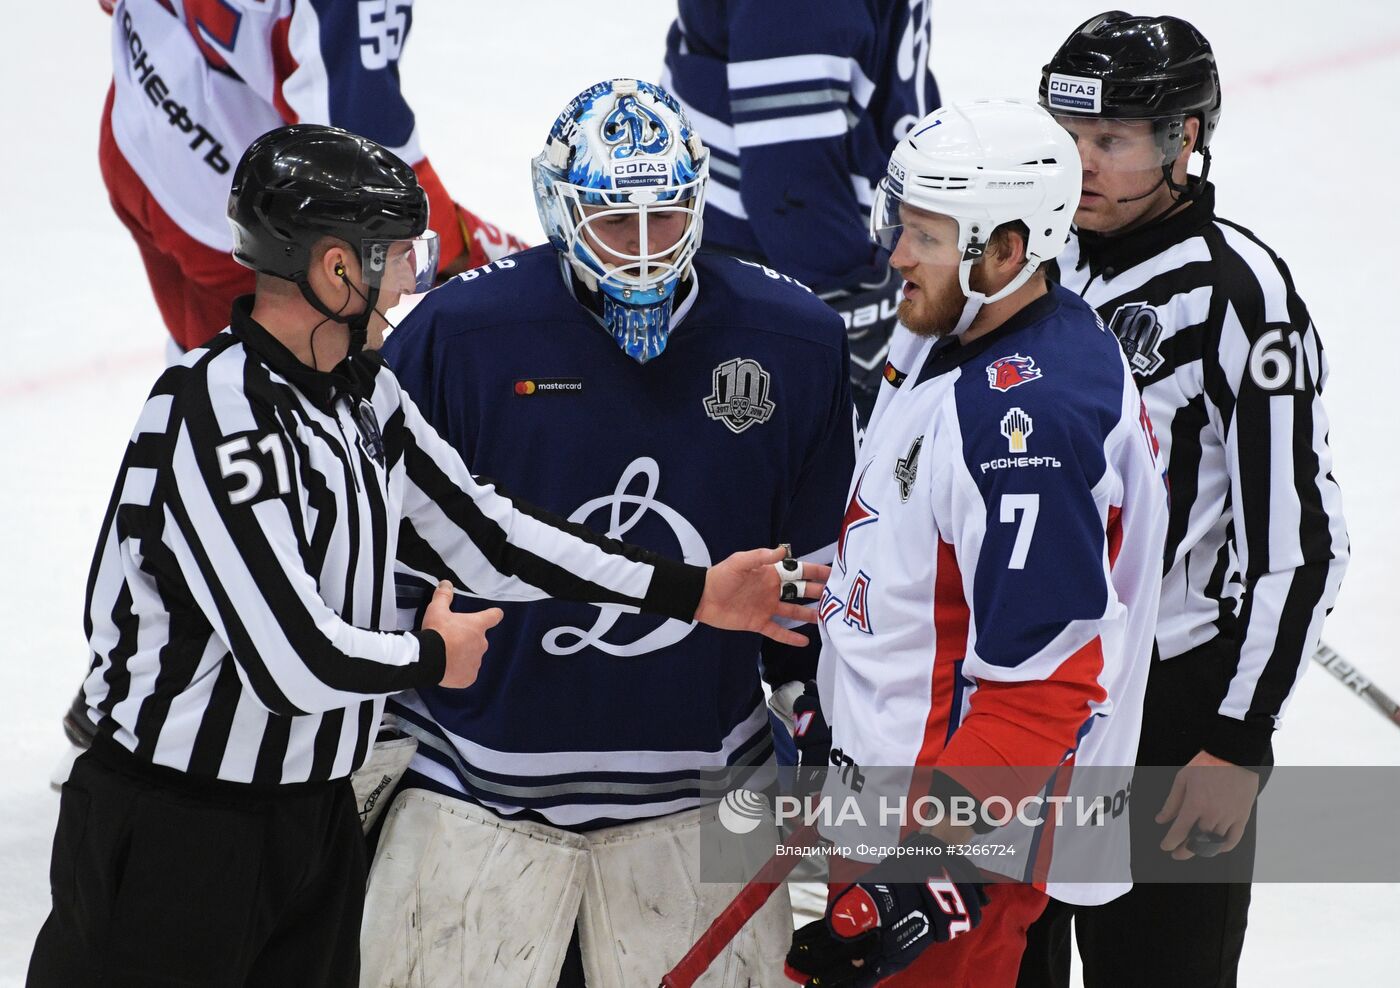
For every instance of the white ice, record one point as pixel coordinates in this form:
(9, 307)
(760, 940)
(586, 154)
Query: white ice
(1304, 157)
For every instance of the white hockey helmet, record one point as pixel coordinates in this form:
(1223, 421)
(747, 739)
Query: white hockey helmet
(982, 164)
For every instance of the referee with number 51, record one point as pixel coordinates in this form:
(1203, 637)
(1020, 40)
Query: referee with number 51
(240, 607)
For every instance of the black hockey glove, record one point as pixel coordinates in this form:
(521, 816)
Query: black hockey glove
(886, 926)
(868, 311)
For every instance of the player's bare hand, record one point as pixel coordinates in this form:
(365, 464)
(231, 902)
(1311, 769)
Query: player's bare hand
(744, 593)
(1212, 795)
(464, 635)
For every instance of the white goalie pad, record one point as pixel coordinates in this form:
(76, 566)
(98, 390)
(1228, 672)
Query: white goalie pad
(458, 896)
(644, 906)
(374, 781)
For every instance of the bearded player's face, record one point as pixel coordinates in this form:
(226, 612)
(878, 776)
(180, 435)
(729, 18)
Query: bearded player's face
(926, 256)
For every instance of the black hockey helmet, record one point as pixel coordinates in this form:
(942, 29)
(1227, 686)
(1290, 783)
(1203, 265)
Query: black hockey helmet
(296, 185)
(1115, 65)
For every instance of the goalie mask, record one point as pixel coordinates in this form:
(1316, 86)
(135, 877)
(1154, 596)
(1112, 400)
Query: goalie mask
(620, 188)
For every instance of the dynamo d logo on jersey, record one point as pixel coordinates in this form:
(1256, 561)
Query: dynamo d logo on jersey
(1006, 373)
(1078, 94)
(625, 508)
(740, 395)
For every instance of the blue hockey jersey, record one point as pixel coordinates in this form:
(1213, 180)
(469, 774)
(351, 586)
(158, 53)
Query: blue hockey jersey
(801, 109)
(738, 435)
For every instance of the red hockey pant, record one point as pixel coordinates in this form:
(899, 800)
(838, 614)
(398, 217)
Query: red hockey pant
(194, 284)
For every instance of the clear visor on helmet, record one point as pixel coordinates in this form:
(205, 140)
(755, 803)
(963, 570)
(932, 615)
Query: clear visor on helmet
(1114, 144)
(920, 236)
(404, 266)
(640, 239)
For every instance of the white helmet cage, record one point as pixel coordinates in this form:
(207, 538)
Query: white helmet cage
(622, 146)
(982, 164)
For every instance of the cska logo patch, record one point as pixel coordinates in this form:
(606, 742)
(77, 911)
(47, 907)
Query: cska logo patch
(1006, 373)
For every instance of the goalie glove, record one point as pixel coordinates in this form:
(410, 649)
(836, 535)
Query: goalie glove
(886, 926)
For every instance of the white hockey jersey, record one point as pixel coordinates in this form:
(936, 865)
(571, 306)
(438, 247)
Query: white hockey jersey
(997, 573)
(196, 81)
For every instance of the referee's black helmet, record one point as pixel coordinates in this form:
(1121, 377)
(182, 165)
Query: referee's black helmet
(298, 184)
(1149, 67)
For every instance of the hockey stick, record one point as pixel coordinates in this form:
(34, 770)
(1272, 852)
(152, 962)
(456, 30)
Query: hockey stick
(1348, 675)
(732, 919)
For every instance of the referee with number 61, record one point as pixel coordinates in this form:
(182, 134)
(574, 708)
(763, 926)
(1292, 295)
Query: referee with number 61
(240, 607)
(1232, 372)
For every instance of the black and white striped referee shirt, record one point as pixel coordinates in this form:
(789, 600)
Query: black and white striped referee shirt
(1232, 372)
(240, 607)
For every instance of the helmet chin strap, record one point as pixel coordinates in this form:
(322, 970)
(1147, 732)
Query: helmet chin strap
(1183, 193)
(975, 299)
(358, 324)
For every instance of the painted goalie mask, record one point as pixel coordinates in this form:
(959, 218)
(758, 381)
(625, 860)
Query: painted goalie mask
(620, 189)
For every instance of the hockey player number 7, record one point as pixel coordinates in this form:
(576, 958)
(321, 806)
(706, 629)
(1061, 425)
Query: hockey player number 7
(1029, 507)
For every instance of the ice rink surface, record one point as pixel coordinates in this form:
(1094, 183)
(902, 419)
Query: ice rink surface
(1304, 156)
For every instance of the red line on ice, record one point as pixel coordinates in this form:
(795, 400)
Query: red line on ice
(1332, 62)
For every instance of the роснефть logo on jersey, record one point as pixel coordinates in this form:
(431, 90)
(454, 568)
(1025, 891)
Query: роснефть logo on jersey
(1139, 331)
(1006, 373)
(740, 395)
(1016, 427)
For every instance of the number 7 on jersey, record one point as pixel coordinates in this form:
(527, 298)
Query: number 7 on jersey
(1028, 505)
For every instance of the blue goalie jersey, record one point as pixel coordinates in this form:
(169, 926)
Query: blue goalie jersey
(737, 436)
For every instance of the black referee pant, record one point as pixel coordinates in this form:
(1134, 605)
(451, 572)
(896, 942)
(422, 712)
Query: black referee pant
(161, 880)
(1159, 935)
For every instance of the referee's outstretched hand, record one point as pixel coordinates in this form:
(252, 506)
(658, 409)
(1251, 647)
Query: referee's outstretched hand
(464, 635)
(744, 593)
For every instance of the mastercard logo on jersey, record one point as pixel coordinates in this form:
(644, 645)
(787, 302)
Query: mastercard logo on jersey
(548, 386)
(1006, 373)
